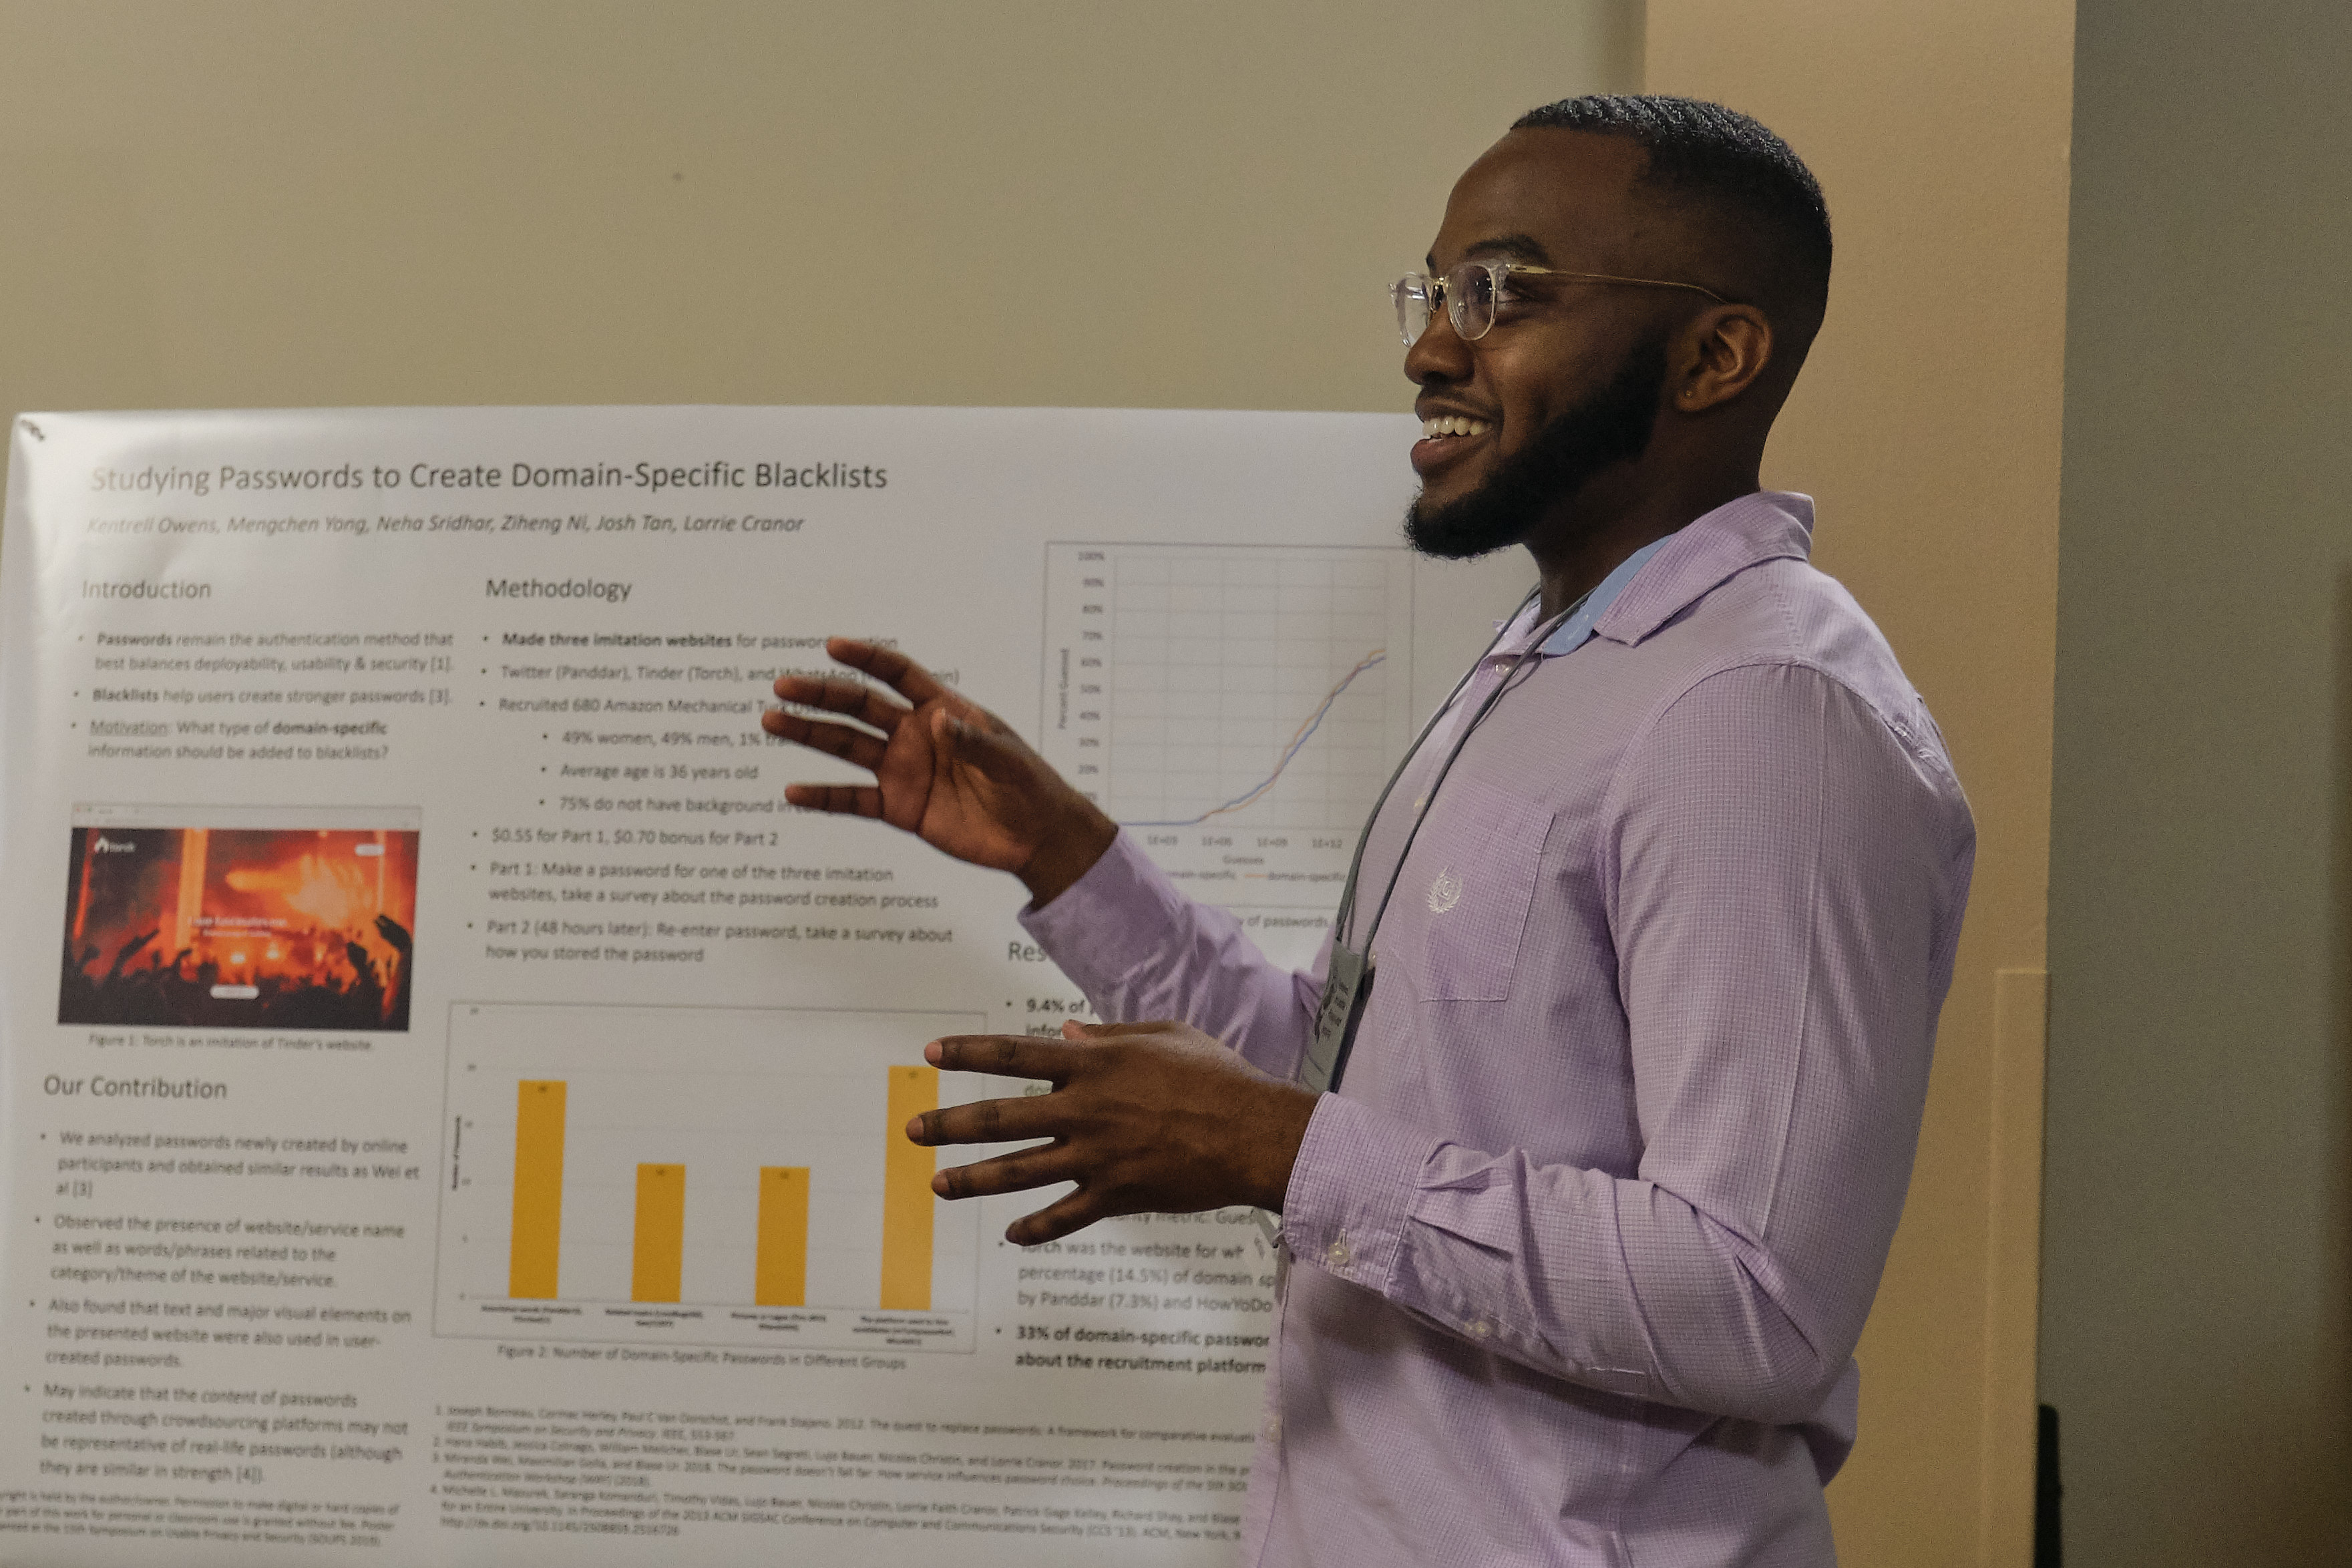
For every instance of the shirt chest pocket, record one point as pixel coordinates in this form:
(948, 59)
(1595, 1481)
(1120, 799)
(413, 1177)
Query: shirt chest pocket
(1469, 885)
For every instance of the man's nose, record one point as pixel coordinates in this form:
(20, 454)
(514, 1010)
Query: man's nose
(1438, 355)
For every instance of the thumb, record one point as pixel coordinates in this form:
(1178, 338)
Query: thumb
(1074, 1030)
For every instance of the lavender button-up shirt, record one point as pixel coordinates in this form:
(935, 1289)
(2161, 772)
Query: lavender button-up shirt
(1581, 1248)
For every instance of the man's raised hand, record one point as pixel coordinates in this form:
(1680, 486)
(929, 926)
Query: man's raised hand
(944, 769)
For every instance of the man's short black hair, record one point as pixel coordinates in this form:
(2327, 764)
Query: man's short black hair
(1721, 160)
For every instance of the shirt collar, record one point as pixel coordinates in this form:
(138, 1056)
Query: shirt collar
(1578, 629)
(1666, 576)
(1764, 525)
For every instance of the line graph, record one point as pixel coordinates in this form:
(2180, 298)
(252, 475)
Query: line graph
(1306, 733)
(1242, 687)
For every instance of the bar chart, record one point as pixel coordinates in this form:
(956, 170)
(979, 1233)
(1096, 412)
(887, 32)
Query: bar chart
(724, 1176)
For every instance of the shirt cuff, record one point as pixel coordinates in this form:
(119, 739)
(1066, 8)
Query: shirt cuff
(1351, 1192)
(1105, 924)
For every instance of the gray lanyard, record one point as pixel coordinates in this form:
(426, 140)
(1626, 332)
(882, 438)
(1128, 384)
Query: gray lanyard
(1348, 985)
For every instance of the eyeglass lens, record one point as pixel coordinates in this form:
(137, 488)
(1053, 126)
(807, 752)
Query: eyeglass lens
(1411, 293)
(1470, 299)
(1469, 291)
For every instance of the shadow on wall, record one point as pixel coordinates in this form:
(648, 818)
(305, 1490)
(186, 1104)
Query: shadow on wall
(2340, 1266)
(2288, 1511)
(2286, 1508)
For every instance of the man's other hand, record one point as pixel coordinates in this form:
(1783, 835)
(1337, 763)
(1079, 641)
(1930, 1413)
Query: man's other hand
(944, 768)
(1145, 1118)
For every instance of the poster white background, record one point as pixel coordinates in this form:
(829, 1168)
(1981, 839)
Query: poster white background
(364, 769)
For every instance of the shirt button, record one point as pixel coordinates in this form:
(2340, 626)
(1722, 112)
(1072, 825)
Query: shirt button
(1478, 1328)
(1338, 1254)
(1274, 1428)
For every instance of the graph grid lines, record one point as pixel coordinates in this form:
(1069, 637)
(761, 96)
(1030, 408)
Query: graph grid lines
(1305, 733)
(1250, 686)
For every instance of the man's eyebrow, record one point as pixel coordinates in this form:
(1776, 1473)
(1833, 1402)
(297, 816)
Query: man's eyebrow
(1514, 246)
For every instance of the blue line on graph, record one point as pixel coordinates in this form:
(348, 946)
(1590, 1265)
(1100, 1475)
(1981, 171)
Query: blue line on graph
(1306, 733)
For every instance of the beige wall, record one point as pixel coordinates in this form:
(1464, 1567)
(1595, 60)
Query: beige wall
(1927, 425)
(898, 200)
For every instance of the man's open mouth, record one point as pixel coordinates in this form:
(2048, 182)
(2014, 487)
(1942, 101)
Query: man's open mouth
(1445, 436)
(1446, 424)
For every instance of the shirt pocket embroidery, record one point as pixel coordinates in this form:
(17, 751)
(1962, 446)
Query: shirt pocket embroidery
(1471, 881)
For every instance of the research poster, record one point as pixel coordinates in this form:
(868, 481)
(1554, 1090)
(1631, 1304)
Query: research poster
(451, 1099)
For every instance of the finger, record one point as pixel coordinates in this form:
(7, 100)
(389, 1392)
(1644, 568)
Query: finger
(843, 800)
(889, 666)
(1041, 1167)
(854, 698)
(1005, 1055)
(853, 746)
(1071, 1212)
(987, 1121)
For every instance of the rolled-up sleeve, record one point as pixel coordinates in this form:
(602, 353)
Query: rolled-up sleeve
(1782, 872)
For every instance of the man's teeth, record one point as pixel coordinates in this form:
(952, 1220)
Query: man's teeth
(1453, 425)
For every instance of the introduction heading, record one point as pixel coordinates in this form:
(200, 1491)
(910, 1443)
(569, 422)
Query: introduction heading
(716, 473)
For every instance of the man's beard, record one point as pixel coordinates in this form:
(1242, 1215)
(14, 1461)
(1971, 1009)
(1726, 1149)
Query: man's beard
(1610, 426)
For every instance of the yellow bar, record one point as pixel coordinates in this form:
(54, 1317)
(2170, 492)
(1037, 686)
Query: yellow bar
(538, 1190)
(779, 1273)
(659, 1258)
(907, 1200)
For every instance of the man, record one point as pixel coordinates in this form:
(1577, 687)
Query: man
(1582, 1242)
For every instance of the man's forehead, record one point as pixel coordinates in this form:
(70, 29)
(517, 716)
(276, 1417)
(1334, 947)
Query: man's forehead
(1543, 196)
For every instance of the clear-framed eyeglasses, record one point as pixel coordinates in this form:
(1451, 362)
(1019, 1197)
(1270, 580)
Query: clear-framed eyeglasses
(1473, 291)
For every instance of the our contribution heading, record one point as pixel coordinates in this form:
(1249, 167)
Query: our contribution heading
(651, 478)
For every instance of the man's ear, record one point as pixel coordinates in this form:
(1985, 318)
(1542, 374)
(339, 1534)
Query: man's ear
(1717, 357)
